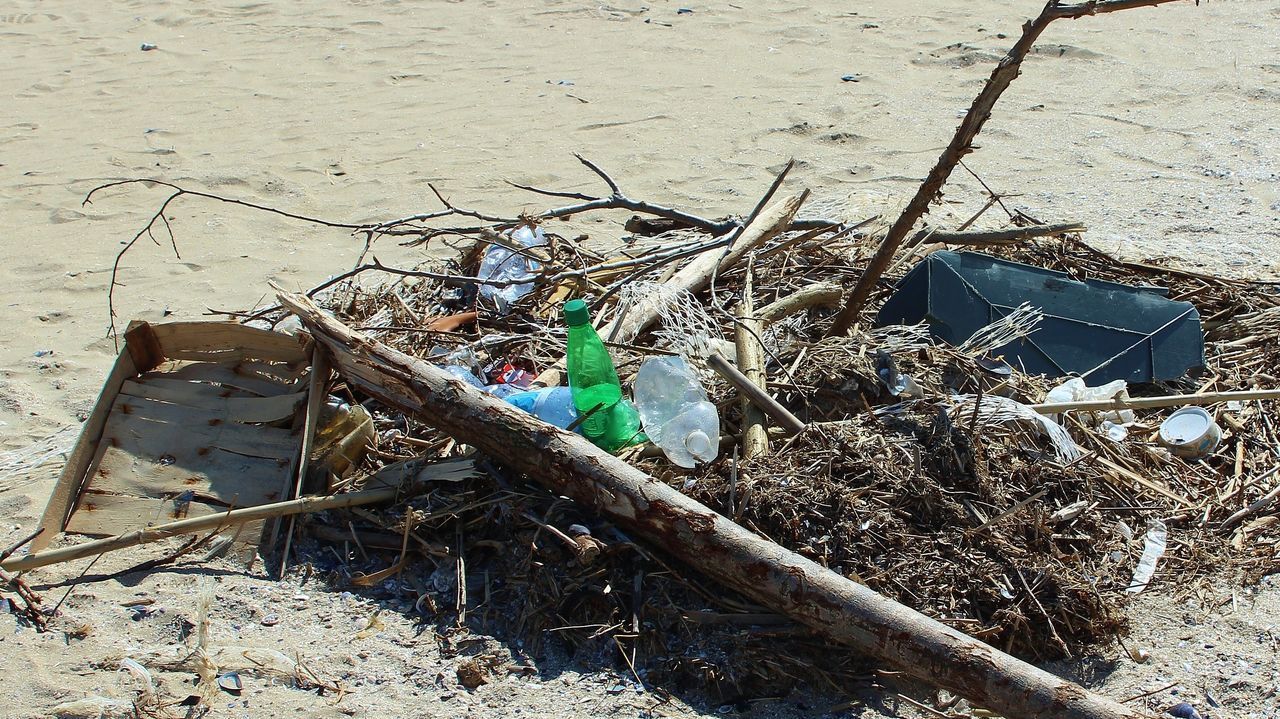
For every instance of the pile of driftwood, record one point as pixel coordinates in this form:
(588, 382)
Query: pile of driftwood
(921, 531)
(976, 524)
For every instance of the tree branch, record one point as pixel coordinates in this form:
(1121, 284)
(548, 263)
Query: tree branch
(962, 144)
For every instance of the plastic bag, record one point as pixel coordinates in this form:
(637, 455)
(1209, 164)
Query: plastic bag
(1075, 390)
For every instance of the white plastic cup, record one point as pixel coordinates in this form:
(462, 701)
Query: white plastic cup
(1190, 432)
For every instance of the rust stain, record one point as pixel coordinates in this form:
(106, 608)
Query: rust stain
(757, 571)
(215, 422)
(698, 523)
(202, 451)
(126, 408)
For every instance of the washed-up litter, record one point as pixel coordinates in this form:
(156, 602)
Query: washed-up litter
(851, 480)
(975, 452)
(1097, 329)
(195, 418)
(675, 413)
(1152, 550)
(921, 466)
(1190, 432)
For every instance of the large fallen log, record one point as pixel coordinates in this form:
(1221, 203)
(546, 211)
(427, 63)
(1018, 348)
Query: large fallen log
(570, 466)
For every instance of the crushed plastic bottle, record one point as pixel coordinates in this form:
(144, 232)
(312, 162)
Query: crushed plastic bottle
(343, 437)
(501, 264)
(459, 363)
(553, 405)
(464, 374)
(675, 412)
(613, 422)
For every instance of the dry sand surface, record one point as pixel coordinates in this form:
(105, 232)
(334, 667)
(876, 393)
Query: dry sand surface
(1157, 128)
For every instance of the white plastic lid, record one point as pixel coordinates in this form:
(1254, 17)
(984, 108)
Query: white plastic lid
(699, 445)
(1186, 426)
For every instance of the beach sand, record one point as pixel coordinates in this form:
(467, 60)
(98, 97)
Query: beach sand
(1156, 128)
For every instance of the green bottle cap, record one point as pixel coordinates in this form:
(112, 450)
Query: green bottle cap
(576, 313)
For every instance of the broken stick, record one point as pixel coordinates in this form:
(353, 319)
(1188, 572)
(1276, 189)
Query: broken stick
(696, 275)
(747, 330)
(571, 466)
(1171, 400)
(962, 144)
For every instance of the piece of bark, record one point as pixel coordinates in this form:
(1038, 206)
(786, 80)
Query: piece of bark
(816, 295)
(570, 466)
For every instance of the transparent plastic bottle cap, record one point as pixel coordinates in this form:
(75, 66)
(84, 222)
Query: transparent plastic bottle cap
(699, 445)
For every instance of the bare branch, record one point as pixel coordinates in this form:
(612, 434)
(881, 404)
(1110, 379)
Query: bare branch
(962, 144)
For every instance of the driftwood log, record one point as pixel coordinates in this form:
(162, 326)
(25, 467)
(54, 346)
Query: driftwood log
(570, 466)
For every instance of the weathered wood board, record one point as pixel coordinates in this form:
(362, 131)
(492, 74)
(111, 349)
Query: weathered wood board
(195, 418)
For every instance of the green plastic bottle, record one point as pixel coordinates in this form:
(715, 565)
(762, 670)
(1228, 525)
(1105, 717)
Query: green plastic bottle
(594, 383)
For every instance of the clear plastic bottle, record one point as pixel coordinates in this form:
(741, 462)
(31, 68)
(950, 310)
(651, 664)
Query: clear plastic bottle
(553, 405)
(501, 264)
(675, 412)
(613, 422)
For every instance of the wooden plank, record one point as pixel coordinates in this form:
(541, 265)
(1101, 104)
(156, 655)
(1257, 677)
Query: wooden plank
(156, 428)
(63, 497)
(103, 515)
(224, 375)
(211, 397)
(230, 478)
(227, 341)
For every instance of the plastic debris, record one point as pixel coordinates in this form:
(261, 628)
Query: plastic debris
(899, 384)
(1152, 551)
(608, 420)
(503, 265)
(1190, 432)
(343, 438)
(553, 405)
(675, 412)
(995, 410)
(1075, 390)
(1101, 331)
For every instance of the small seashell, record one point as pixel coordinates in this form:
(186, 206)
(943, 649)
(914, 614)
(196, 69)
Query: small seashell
(148, 46)
(230, 682)
(271, 620)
